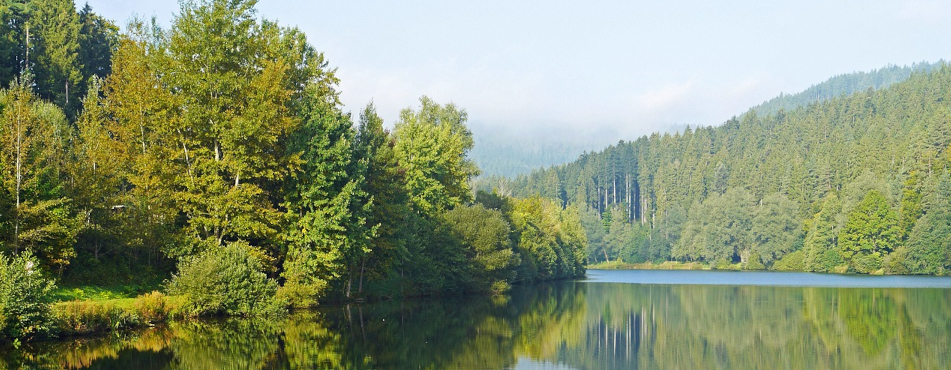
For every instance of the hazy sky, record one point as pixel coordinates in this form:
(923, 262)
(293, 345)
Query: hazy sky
(632, 66)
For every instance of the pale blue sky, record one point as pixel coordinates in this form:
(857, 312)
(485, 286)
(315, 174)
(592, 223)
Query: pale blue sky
(628, 66)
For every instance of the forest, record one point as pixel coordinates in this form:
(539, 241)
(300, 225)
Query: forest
(213, 162)
(854, 184)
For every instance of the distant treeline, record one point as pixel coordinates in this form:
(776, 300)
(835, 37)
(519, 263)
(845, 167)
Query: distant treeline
(856, 183)
(844, 85)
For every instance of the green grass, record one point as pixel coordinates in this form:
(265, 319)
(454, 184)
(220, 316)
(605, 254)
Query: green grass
(98, 293)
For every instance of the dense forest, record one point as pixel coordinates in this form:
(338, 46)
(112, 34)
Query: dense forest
(215, 156)
(857, 183)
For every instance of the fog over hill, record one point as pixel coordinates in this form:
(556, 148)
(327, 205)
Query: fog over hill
(510, 151)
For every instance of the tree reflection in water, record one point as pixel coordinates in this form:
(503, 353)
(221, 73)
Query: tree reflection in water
(580, 325)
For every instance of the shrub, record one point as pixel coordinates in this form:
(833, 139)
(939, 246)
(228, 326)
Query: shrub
(152, 307)
(867, 263)
(791, 262)
(226, 280)
(25, 296)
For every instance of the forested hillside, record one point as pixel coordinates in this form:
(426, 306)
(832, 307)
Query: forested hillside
(215, 156)
(513, 151)
(857, 183)
(843, 85)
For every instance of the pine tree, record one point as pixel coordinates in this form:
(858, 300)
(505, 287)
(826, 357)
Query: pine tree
(55, 52)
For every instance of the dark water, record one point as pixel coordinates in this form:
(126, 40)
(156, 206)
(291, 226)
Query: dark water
(613, 320)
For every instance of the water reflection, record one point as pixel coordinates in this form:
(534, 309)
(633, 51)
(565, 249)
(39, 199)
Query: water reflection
(565, 325)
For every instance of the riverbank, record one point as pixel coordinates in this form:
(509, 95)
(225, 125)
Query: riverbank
(666, 265)
(676, 265)
(84, 317)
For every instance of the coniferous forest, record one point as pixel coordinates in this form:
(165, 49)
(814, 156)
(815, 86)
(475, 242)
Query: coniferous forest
(213, 161)
(858, 183)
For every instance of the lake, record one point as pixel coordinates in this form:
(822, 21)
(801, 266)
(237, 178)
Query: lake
(610, 320)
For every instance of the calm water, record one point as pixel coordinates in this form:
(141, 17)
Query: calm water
(612, 320)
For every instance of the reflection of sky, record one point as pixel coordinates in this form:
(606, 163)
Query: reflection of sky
(525, 363)
(635, 67)
(771, 278)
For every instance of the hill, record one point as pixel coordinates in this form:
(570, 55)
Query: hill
(512, 151)
(854, 183)
(844, 84)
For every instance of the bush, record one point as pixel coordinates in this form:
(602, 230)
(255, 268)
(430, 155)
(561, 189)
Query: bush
(791, 262)
(868, 263)
(25, 296)
(152, 307)
(226, 280)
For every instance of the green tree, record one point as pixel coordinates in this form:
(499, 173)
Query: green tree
(319, 202)
(230, 87)
(549, 239)
(871, 232)
(432, 145)
(98, 39)
(383, 191)
(55, 52)
(142, 146)
(718, 230)
(484, 234)
(928, 247)
(39, 216)
(776, 228)
(821, 251)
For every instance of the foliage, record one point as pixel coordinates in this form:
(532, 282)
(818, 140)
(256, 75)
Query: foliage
(228, 280)
(319, 203)
(871, 232)
(25, 295)
(549, 239)
(805, 170)
(38, 215)
(432, 145)
(927, 251)
(791, 262)
(484, 234)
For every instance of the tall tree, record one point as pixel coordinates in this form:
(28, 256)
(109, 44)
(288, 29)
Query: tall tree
(821, 252)
(384, 200)
(319, 204)
(98, 39)
(39, 217)
(54, 44)
(432, 145)
(929, 250)
(776, 228)
(231, 86)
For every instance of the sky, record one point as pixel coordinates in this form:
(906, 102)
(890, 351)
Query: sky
(624, 67)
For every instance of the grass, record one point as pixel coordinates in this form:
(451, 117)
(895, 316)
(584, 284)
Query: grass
(80, 317)
(90, 309)
(89, 293)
